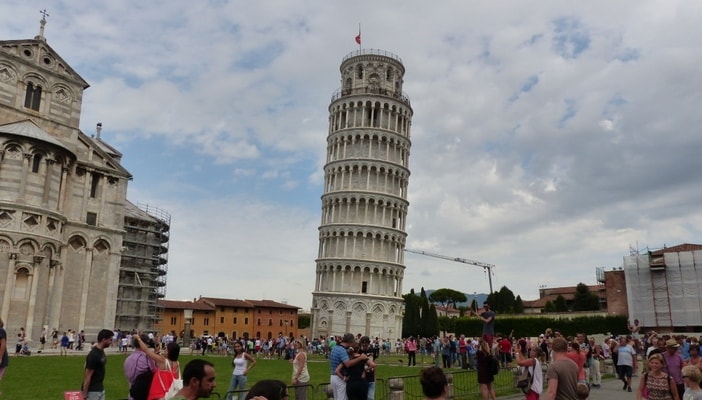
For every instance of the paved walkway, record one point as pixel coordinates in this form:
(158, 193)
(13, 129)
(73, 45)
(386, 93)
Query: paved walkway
(610, 389)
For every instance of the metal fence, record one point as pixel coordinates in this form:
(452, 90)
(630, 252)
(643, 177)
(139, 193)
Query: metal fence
(462, 385)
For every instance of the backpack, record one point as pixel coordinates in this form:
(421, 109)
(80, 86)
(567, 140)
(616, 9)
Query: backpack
(494, 364)
(142, 383)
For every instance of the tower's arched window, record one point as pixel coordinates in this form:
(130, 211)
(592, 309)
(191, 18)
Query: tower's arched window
(359, 72)
(32, 98)
(36, 162)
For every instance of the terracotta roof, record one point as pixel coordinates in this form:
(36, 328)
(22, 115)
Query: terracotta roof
(182, 305)
(567, 292)
(678, 248)
(216, 301)
(541, 302)
(563, 290)
(447, 310)
(271, 304)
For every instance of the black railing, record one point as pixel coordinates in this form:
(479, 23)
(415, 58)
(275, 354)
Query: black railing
(462, 385)
(372, 52)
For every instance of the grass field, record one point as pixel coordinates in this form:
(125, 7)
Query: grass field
(47, 377)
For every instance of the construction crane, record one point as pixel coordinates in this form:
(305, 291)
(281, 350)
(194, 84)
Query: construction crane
(486, 267)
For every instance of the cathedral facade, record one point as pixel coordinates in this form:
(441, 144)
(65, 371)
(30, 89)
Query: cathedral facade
(360, 262)
(62, 199)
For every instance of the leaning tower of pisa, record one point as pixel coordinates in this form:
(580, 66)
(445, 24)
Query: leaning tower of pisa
(360, 263)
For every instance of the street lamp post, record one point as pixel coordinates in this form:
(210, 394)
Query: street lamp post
(188, 318)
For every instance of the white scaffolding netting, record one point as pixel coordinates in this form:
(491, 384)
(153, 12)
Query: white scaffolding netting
(666, 296)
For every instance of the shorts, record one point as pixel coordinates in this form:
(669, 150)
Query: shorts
(96, 395)
(532, 395)
(625, 371)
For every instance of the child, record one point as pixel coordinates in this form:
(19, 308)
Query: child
(582, 391)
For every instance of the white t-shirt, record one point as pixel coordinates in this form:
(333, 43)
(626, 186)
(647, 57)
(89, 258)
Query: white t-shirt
(626, 355)
(537, 383)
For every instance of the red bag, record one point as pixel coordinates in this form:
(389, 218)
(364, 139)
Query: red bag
(161, 383)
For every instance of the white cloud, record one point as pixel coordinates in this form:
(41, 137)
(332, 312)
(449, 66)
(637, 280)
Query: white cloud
(547, 136)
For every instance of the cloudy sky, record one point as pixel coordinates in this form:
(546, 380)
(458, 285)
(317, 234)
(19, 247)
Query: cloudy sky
(548, 138)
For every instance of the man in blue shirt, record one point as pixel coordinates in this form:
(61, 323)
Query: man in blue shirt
(488, 317)
(339, 355)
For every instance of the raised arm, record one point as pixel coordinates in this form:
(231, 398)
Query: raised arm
(159, 359)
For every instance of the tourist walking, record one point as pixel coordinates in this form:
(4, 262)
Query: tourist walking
(674, 363)
(692, 376)
(655, 384)
(625, 362)
(562, 373)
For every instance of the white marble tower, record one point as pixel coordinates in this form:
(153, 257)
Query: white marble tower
(360, 262)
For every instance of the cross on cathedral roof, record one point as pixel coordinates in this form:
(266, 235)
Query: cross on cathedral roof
(42, 23)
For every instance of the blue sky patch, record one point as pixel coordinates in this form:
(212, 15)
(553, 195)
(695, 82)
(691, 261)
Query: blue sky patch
(570, 38)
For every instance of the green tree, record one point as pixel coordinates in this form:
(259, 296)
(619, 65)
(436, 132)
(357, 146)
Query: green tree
(474, 304)
(549, 307)
(412, 319)
(447, 324)
(518, 305)
(560, 304)
(584, 300)
(303, 321)
(447, 297)
(502, 301)
(431, 322)
(424, 313)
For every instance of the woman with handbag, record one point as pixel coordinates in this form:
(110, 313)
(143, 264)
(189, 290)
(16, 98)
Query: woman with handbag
(656, 384)
(166, 381)
(534, 374)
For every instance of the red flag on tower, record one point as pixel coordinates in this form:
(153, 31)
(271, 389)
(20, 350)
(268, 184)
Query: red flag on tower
(358, 37)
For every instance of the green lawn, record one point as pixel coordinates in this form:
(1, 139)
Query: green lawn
(47, 377)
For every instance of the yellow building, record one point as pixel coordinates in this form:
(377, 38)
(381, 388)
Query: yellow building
(232, 318)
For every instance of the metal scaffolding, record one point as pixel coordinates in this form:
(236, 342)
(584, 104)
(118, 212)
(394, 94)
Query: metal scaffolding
(144, 266)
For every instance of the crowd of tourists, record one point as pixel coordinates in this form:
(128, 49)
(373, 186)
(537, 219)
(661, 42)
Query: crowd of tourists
(551, 365)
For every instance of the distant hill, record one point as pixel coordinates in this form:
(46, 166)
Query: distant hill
(480, 297)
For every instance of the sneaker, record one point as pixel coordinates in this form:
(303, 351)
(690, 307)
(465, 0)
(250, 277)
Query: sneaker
(625, 386)
(628, 389)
